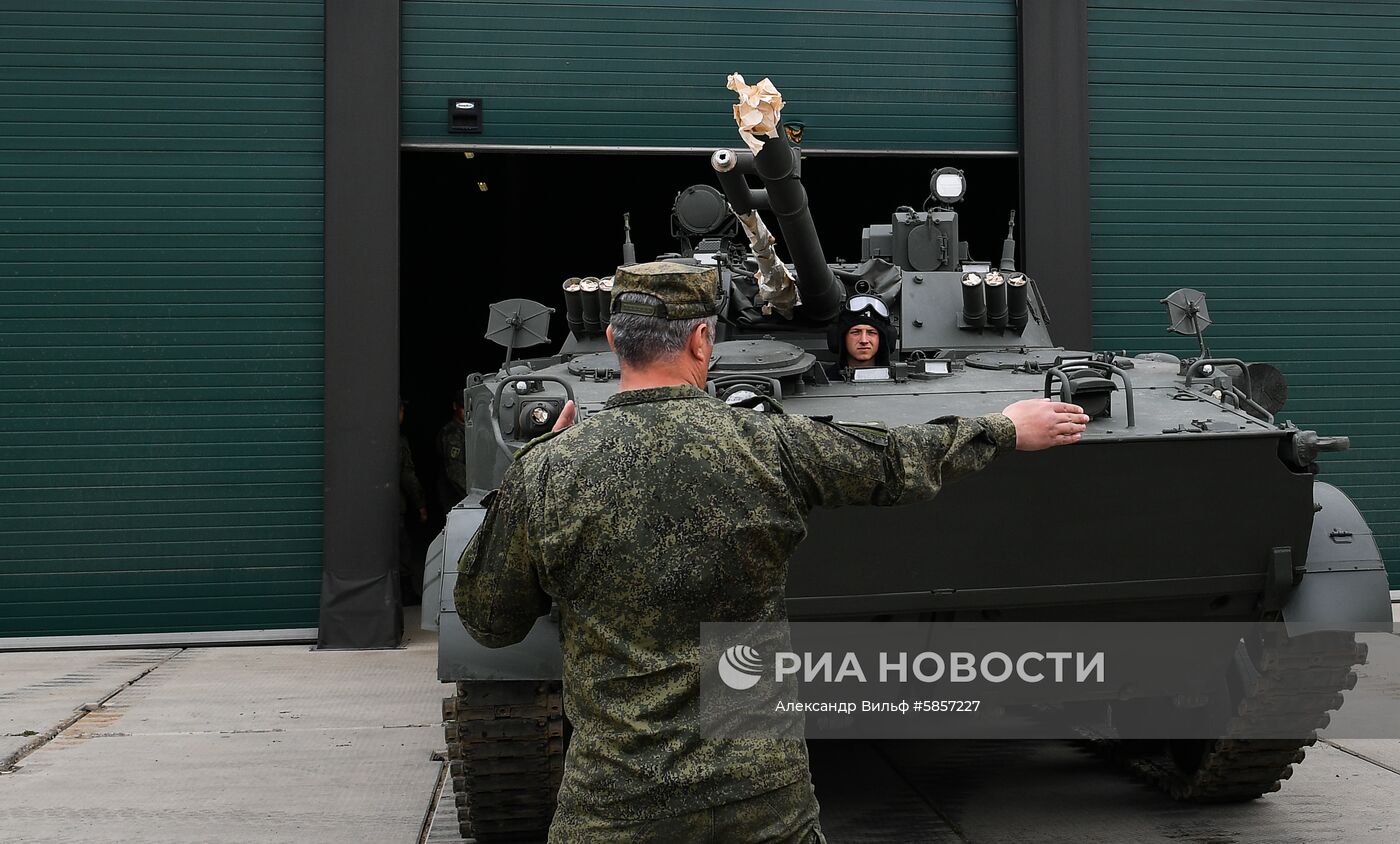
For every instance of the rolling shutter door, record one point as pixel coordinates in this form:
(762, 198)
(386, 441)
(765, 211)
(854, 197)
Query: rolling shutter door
(1252, 150)
(886, 75)
(160, 316)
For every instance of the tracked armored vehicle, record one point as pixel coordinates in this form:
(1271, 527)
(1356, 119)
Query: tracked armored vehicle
(1185, 500)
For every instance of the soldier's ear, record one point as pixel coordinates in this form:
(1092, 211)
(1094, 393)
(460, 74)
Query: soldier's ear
(608, 334)
(699, 339)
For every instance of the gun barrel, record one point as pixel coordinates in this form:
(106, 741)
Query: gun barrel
(1008, 246)
(629, 251)
(730, 168)
(779, 166)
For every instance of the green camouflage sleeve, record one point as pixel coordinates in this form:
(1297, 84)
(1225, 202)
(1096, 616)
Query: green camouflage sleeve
(498, 592)
(949, 448)
(838, 463)
(409, 485)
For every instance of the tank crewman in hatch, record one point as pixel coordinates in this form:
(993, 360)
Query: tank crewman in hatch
(861, 336)
(669, 508)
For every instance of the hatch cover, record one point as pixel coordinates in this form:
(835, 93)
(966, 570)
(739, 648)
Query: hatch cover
(594, 365)
(772, 358)
(1017, 359)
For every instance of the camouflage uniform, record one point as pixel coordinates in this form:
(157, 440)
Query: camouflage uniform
(411, 497)
(452, 448)
(786, 815)
(667, 509)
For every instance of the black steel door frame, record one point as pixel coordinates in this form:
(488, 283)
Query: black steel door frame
(360, 601)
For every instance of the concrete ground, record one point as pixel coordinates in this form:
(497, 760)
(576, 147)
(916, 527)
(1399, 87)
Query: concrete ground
(225, 744)
(284, 743)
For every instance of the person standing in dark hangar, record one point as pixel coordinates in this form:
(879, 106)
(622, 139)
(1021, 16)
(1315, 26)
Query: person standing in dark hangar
(668, 509)
(451, 450)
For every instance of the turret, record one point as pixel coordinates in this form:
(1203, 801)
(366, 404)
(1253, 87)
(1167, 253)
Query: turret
(947, 300)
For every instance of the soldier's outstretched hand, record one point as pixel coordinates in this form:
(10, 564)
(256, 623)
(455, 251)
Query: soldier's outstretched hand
(566, 416)
(1042, 423)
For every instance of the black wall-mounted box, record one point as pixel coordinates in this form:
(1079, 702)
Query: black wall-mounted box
(464, 115)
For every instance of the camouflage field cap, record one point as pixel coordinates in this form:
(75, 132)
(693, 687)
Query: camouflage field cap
(686, 292)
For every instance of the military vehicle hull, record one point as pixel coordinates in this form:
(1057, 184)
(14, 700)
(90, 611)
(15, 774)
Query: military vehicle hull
(1185, 525)
(1184, 500)
(1208, 523)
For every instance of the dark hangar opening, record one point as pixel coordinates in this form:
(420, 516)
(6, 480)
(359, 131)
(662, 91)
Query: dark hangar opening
(485, 226)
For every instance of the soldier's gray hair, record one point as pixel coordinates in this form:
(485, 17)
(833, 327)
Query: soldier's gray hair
(642, 340)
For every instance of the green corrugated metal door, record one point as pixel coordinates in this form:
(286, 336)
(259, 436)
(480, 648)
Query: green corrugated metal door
(885, 74)
(1252, 149)
(160, 316)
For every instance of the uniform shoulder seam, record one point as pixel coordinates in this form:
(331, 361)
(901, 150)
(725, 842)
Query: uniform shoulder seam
(542, 438)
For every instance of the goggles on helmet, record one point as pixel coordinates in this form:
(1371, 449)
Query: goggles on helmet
(863, 302)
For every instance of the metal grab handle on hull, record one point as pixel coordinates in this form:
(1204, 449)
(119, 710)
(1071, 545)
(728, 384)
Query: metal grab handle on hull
(1062, 373)
(1191, 371)
(1244, 395)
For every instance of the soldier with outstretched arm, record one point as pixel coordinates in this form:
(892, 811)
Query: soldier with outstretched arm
(668, 509)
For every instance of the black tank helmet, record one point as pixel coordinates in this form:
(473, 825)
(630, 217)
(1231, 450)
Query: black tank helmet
(862, 309)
